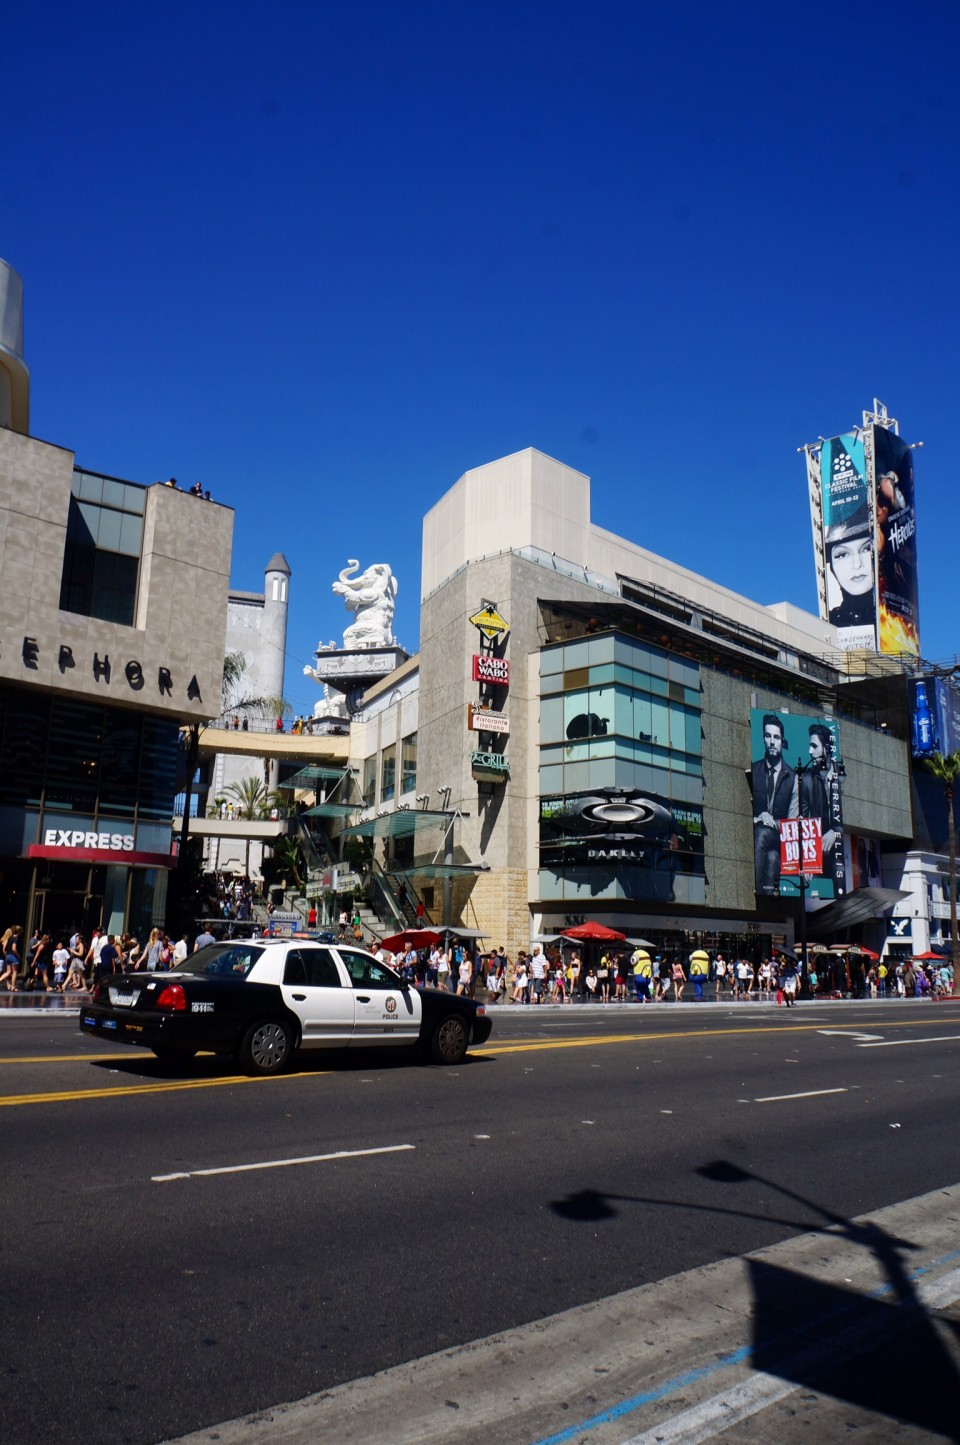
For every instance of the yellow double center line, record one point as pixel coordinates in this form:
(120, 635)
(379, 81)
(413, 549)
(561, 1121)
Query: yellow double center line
(518, 1046)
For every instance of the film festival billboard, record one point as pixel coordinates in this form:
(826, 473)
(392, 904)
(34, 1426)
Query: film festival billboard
(795, 773)
(898, 612)
(864, 521)
(848, 596)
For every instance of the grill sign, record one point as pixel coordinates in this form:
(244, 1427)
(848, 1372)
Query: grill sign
(491, 669)
(495, 763)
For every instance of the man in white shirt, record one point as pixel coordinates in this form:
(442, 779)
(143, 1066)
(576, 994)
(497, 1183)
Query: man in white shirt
(180, 949)
(538, 972)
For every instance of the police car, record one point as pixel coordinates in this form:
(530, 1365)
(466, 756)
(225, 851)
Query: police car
(263, 999)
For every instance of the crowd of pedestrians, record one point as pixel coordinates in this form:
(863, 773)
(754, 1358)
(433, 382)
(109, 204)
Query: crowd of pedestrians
(620, 977)
(48, 964)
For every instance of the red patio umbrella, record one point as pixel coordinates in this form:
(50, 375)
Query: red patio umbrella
(594, 932)
(857, 949)
(928, 957)
(419, 937)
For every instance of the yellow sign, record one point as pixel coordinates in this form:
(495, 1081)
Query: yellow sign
(490, 623)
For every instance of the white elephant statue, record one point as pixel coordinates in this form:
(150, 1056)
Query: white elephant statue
(372, 596)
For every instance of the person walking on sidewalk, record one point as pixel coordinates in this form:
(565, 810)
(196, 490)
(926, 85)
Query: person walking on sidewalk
(788, 981)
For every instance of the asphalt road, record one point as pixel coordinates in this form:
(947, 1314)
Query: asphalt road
(581, 1155)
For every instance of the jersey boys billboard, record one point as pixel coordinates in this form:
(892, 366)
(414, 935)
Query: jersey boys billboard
(796, 774)
(864, 526)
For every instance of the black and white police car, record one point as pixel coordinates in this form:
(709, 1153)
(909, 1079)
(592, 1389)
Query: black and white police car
(263, 999)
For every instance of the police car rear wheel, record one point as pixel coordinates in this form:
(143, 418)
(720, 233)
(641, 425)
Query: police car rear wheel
(267, 1047)
(449, 1042)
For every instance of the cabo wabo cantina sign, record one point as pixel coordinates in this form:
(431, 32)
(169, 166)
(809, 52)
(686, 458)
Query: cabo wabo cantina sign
(490, 669)
(612, 830)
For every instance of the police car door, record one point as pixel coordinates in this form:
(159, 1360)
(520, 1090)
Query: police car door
(314, 989)
(385, 1012)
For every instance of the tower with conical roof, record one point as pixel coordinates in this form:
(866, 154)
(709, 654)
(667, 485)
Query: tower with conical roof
(14, 376)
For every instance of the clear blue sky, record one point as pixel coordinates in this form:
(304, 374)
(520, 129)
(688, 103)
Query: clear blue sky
(325, 257)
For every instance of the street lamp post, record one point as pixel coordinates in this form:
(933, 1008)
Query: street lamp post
(804, 980)
(802, 882)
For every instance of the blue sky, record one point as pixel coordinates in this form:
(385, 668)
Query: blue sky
(326, 257)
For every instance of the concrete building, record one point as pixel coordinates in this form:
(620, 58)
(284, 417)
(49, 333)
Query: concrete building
(257, 632)
(113, 600)
(596, 747)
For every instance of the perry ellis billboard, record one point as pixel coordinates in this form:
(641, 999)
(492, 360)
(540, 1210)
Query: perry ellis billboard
(796, 773)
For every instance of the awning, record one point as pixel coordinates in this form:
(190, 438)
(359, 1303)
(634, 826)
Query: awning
(401, 824)
(331, 810)
(316, 773)
(857, 907)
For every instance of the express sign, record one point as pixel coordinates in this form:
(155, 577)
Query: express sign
(78, 838)
(491, 669)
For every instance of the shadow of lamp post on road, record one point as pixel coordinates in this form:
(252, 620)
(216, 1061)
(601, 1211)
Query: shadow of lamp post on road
(880, 1351)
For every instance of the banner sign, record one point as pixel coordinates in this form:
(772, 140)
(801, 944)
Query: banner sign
(490, 767)
(485, 720)
(898, 611)
(489, 622)
(848, 554)
(935, 717)
(801, 847)
(795, 774)
(490, 669)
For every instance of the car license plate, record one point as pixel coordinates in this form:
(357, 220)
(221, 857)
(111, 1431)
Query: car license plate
(124, 1000)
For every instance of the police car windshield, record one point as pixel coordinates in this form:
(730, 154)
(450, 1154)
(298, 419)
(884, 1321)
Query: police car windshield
(223, 960)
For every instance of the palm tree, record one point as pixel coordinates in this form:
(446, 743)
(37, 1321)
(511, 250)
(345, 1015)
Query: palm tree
(234, 666)
(947, 770)
(252, 796)
(289, 860)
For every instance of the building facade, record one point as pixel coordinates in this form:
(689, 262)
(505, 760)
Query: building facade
(112, 617)
(594, 717)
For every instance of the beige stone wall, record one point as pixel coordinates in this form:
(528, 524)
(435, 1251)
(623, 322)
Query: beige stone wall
(182, 606)
(496, 903)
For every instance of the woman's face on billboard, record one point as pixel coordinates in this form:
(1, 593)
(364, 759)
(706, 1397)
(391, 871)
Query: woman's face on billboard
(852, 564)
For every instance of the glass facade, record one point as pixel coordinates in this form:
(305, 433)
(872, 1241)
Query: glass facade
(67, 758)
(408, 764)
(101, 559)
(370, 781)
(388, 774)
(621, 772)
